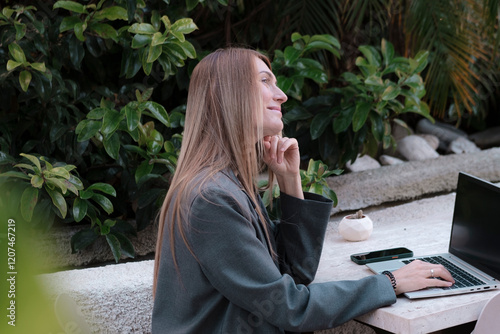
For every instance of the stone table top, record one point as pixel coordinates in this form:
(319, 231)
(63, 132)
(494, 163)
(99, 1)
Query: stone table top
(422, 226)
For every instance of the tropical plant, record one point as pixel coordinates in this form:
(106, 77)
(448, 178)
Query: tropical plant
(355, 118)
(461, 36)
(66, 98)
(313, 180)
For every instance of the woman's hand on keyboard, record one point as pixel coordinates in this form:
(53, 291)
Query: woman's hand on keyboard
(420, 275)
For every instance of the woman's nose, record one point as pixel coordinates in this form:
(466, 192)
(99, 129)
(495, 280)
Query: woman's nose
(279, 95)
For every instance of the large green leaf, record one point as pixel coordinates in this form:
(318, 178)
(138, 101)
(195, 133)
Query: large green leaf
(114, 244)
(80, 207)
(58, 201)
(87, 129)
(104, 30)
(360, 115)
(72, 6)
(103, 187)
(15, 174)
(28, 202)
(68, 23)
(143, 170)
(17, 53)
(112, 145)
(158, 112)
(111, 121)
(390, 93)
(111, 13)
(154, 52)
(342, 122)
(387, 51)
(371, 54)
(184, 26)
(297, 113)
(24, 80)
(142, 28)
(291, 55)
(319, 124)
(82, 239)
(103, 202)
(127, 248)
(140, 41)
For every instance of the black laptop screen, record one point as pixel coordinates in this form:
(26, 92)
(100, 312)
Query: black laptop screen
(475, 235)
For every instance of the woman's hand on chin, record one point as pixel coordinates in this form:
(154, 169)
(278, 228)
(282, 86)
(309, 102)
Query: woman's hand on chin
(282, 156)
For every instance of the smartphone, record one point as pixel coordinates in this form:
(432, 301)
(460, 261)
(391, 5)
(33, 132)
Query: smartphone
(381, 255)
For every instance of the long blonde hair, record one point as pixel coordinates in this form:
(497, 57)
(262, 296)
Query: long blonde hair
(222, 130)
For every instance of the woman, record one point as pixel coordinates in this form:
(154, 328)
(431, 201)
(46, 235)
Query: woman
(221, 265)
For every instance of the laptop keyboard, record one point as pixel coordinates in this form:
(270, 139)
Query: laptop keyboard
(462, 278)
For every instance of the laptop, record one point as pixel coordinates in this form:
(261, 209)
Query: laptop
(474, 249)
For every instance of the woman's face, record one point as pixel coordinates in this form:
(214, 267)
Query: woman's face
(272, 97)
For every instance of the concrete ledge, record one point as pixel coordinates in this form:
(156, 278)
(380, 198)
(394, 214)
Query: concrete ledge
(411, 180)
(113, 299)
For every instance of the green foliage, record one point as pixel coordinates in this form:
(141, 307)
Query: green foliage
(385, 88)
(294, 64)
(358, 115)
(313, 180)
(42, 183)
(73, 90)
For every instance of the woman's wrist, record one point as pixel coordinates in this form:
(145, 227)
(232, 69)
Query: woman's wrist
(291, 185)
(391, 277)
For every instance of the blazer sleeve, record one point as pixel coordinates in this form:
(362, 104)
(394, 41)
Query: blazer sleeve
(300, 235)
(238, 265)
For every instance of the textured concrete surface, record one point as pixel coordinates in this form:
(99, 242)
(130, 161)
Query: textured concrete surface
(411, 180)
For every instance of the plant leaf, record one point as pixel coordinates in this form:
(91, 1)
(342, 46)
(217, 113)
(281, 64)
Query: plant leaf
(104, 202)
(80, 207)
(58, 201)
(17, 53)
(82, 239)
(112, 145)
(24, 80)
(360, 115)
(72, 6)
(111, 121)
(28, 202)
(126, 245)
(158, 111)
(114, 244)
(103, 187)
(87, 129)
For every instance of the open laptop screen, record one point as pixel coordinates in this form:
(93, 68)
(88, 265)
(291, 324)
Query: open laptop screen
(475, 235)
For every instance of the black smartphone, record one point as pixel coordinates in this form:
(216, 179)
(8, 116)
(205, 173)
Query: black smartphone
(381, 255)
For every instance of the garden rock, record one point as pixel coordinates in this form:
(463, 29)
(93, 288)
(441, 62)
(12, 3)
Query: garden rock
(364, 162)
(387, 160)
(487, 138)
(432, 140)
(462, 145)
(415, 148)
(445, 132)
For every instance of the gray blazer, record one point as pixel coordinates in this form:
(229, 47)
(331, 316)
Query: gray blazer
(231, 284)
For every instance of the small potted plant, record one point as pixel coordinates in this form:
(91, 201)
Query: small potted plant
(356, 227)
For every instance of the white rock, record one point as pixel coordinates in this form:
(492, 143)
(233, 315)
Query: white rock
(387, 160)
(416, 148)
(432, 140)
(445, 132)
(364, 162)
(463, 145)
